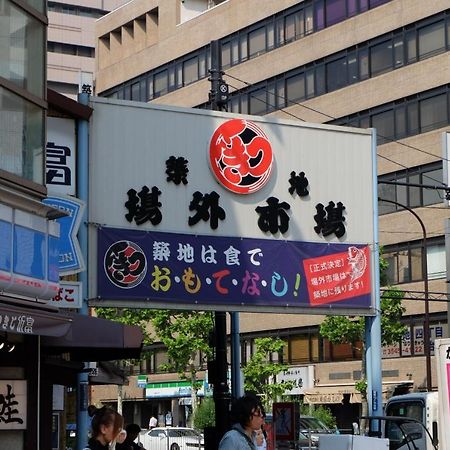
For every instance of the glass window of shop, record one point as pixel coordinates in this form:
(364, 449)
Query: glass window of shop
(21, 137)
(22, 47)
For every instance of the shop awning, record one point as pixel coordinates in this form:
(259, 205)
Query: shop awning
(108, 373)
(327, 394)
(33, 319)
(95, 339)
(335, 394)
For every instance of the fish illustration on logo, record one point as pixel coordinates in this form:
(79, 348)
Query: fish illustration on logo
(358, 262)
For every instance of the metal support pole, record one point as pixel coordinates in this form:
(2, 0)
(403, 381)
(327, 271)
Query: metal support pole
(82, 192)
(221, 393)
(426, 322)
(373, 324)
(236, 390)
(215, 73)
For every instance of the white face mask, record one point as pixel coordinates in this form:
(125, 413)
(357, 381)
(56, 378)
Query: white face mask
(118, 440)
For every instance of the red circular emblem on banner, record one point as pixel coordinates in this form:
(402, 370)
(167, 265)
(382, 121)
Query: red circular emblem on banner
(240, 156)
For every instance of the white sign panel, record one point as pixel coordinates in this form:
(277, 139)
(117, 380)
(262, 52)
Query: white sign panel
(199, 207)
(70, 295)
(13, 410)
(301, 376)
(60, 156)
(442, 351)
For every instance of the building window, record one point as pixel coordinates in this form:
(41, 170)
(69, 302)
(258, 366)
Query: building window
(341, 352)
(433, 112)
(422, 112)
(381, 58)
(405, 261)
(75, 10)
(160, 84)
(190, 71)
(431, 39)
(21, 137)
(257, 42)
(411, 196)
(299, 350)
(266, 35)
(70, 49)
(367, 60)
(22, 43)
(336, 72)
(383, 122)
(295, 87)
(335, 11)
(160, 358)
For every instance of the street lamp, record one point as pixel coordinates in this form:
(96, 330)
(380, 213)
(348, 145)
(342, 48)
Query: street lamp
(426, 325)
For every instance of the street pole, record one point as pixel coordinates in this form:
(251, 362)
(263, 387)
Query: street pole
(83, 193)
(221, 393)
(373, 323)
(426, 324)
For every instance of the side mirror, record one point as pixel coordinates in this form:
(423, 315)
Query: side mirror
(435, 434)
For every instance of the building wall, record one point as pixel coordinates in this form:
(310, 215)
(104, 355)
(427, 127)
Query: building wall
(165, 37)
(72, 25)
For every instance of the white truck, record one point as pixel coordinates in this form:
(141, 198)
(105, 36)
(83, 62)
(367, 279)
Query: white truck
(416, 421)
(431, 430)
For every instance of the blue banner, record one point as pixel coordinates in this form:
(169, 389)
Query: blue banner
(182, 269)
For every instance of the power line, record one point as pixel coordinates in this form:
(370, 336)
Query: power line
(431, 235)
(417, 295)
(335, 118)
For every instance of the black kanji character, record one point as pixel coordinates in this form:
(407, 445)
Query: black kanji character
(299, 184)
(273, 218)
(330, 219)
(177, 170)
(7, 407)
(144, 206)
(207, 207)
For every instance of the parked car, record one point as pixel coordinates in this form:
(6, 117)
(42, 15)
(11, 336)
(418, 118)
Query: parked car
(312, 427)
(171, 438)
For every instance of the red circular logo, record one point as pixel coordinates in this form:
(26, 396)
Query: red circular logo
(240, 156)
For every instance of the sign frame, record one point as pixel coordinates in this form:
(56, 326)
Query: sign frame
(142, 125)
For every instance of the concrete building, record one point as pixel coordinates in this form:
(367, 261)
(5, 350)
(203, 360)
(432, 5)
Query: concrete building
(71, 42)
(366, 63)
(38, 342)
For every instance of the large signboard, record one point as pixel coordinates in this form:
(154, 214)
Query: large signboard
(207, 210)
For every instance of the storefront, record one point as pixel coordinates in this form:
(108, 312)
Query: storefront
(42, 348)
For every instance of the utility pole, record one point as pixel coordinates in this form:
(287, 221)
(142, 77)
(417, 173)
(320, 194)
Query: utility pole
(219, 97)
(426, 326)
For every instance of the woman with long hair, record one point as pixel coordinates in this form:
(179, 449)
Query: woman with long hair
(106, 427)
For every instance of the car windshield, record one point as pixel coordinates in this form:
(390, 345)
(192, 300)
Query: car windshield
(173, 432)
(313, 424)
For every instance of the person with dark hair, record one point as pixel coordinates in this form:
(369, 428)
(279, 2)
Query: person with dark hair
(133, 430)
(106, 427)
(247, 414)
